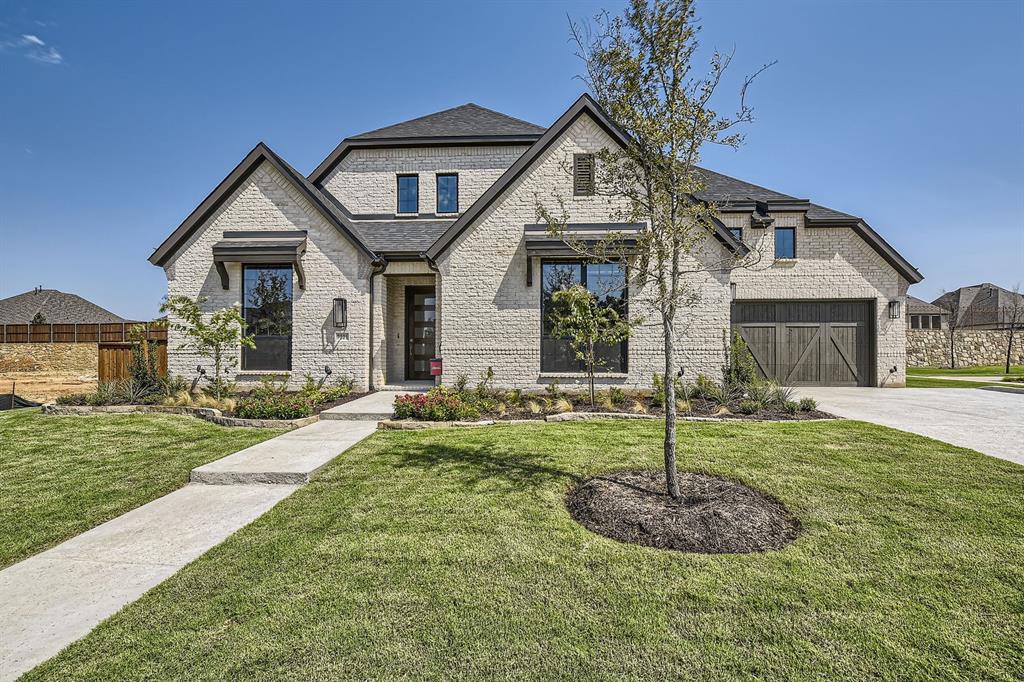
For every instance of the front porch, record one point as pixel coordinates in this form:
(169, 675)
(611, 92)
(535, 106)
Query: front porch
(408, 302)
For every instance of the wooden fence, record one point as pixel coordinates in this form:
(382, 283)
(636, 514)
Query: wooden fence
(109, 332)
(115, 359)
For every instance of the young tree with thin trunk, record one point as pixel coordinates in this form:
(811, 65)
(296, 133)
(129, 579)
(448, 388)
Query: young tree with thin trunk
(952, 304)
(217, 336)
(640, 69)
(1013, 317)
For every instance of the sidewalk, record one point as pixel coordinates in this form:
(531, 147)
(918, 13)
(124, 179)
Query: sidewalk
(56, 597)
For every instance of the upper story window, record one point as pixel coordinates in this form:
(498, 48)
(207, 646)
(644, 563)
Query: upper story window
(737, 232)
(582, 174)
(408, 194)
(448, 193)
(785, 242)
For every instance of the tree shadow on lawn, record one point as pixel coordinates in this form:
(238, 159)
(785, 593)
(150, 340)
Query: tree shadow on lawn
(483, 463)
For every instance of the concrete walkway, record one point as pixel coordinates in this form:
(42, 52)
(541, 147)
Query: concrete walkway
(987, 421)
(56, 597)
(375, 406)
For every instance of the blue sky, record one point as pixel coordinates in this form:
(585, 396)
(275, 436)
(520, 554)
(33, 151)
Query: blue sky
(119, 118)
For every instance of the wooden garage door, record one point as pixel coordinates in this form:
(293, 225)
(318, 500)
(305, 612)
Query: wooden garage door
(809, 343)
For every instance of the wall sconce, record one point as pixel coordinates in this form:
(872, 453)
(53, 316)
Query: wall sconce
(894, 310)
(340, 313)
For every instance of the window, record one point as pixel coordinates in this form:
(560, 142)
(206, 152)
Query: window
(408, 194)
(607, 281)
(448, 193)
(785, 242)
(936, 322)
(915, 321)
(737, 232)
(267, 308)
(583, 174)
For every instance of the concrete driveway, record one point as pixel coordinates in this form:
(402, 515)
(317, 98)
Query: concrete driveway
(986, 421)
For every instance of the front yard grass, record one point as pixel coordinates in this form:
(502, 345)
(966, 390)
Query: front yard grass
(936, 382)
(450, 554)
(980, 371)
(61, 475)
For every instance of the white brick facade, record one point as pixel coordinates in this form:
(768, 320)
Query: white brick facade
(487, 315)
(334, 269)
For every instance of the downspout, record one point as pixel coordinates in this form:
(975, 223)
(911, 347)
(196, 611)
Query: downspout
(377, 266)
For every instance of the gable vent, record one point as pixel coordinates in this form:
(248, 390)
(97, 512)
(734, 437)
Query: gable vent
(583, 174)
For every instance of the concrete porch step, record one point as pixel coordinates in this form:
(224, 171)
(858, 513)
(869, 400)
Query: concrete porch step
(375, 406)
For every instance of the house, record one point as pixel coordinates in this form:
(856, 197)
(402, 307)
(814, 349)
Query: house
(420, 241)
(925, 315)
(50, 306)
(983, 306)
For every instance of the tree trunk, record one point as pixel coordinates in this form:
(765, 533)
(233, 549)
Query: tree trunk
(1009, 349)
(590, 372)
(671, 477)
(952, 349)
(216, 373)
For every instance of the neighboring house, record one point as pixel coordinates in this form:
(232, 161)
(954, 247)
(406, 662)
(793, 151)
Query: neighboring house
(420, 240)
(982, 306)
(52, 307)
(925, 315)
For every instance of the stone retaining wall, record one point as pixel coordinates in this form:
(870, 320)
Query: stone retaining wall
(70, 359)
(930, 347)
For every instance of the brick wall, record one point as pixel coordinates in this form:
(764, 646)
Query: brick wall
(365, 180)
(930, 347)
(333, 266)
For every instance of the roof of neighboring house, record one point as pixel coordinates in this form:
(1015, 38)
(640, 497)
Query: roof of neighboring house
(56, 307)
(468, 120)
(978, 304)
(917, 307)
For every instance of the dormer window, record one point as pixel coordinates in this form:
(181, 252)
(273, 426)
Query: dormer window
(448, 193)
(583, 175)
(408, 194)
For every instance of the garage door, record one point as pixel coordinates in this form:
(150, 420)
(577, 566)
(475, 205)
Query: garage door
(809, 343)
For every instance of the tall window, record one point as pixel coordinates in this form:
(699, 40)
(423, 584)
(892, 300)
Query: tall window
(408, 194)
(267, 308)
(607, 281)
(448, 193)
(785, 242)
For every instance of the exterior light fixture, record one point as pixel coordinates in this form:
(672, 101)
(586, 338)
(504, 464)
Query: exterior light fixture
(340, 313)
(894, 310)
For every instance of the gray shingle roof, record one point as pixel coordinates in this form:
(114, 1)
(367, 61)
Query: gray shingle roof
(468, 120)
(55, 306)
(410, 236)
(916, 305)
(724, 188)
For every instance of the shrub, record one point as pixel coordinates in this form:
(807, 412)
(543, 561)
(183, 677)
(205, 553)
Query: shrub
(437, 404)
(790, 406)
(554, 389)
(638, 407)
(514, 397)
(616, 395)
(741, 369)
(533, 406)
(460, 383)
(274, 406)
(749, 406)
(561, 405)
(658, 389)
(781, 395)
(808, 404)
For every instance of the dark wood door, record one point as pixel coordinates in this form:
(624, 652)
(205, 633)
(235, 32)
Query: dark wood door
(809, 343)
(420, 328)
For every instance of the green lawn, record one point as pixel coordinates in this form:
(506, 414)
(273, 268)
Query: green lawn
(982, 370)
(449, 554)
(60, 476)
(936, 382)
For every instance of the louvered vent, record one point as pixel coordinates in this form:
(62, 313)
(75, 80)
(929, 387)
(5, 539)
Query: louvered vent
(583, 174)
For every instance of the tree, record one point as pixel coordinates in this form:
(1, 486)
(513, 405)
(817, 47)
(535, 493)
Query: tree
(38, 318)
(215, 339)
(639, 68)
(951, 301)
(578, 316)
(1013, 317)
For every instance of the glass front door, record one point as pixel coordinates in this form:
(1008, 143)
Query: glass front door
(420, 316)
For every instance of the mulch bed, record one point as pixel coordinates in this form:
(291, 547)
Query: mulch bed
(714, 516)
(698, 408)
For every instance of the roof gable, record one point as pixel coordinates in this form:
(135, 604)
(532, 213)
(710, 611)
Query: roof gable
(467, 120)
(239, 175)
(585, 105)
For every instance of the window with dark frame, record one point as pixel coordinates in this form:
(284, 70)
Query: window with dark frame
(607, 281)
(737, 232)
(408, 194)
(785, 242)
(936, 322)
(915, 321)
(583, 174)
(267, 309)
(448, 193)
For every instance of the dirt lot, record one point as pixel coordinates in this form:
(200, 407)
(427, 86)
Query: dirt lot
(45, 386)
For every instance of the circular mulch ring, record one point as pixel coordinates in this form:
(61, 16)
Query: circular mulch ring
(714, 516)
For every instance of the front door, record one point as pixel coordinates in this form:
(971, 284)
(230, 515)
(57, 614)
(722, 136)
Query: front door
(420, 325)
